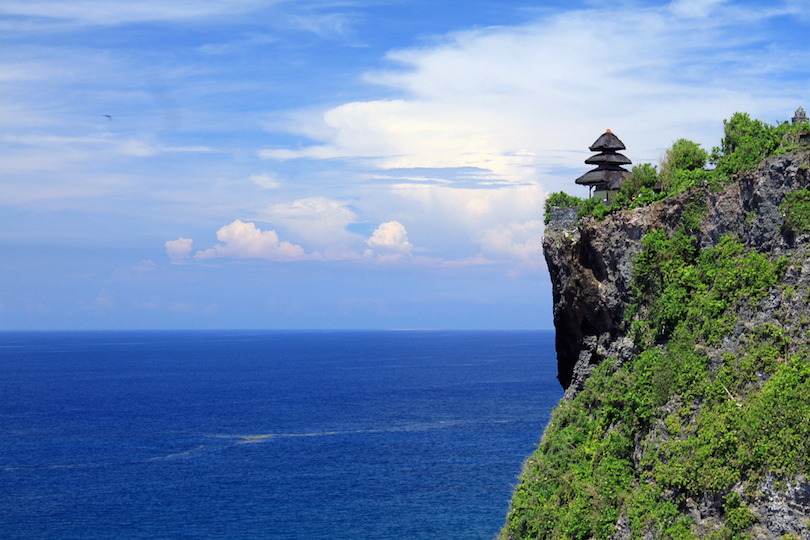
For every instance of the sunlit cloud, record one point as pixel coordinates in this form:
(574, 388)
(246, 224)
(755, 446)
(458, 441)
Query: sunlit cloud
(246, 241)
(517, 102)
(389, 243)
(179, 250)
(390, 236)
(518, 242)
(318, 221)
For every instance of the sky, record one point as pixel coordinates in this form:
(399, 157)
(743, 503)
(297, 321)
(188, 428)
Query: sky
(341, 164)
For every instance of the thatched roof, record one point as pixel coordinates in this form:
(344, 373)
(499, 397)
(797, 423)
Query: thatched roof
(610, 178)
(608, 174)
(608, 158)
(608, 141)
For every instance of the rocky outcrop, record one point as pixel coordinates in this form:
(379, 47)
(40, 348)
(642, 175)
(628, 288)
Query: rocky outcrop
(591, 262)
(591, 267)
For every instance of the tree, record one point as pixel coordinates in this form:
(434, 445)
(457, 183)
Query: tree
(683, 166)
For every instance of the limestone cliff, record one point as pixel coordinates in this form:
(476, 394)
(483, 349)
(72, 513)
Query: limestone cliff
(637, 452)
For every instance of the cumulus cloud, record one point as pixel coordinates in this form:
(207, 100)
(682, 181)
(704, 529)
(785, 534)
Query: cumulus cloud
(473, 208)
(390, 236)
(389, 242)
(521, 242)
(318, 221)
(179, 250)
(242, 240)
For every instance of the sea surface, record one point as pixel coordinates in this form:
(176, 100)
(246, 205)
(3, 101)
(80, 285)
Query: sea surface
(278, 435)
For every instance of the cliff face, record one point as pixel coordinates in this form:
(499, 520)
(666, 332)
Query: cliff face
(591, 262)
(612, 453)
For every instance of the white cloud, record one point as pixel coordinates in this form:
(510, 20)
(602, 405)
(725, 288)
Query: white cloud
(521, 242)
(140, 148)
(245, 241)
(265, 180)
(390, 235)
(389, 242)
(521, 101)
(179, 250)
(318, 221)
(472, 208)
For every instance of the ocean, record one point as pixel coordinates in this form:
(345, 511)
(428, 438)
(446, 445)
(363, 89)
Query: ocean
(277, 435)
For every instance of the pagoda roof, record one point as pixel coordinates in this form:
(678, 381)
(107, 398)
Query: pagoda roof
(611, 158)
(607, 141)
(610, 177)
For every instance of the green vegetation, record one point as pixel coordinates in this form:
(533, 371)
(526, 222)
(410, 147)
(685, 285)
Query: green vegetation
(677, 285)
(560, 199)
(685, 418)
(675, 422)
(746, 142)
(684, 166)
(797, 210)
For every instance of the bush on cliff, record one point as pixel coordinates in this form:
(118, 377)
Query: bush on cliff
(683, 166)
(560, 200)
(796, 209)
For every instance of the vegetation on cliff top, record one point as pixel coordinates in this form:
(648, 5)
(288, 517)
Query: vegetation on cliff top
(685, 420)
(745, 144)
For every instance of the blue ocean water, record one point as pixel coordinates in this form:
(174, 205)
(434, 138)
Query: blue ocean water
(279, 435)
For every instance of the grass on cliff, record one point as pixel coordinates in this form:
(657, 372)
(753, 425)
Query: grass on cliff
(643, 438)
(797, 210)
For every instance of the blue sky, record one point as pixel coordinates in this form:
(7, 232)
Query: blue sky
(340, 164)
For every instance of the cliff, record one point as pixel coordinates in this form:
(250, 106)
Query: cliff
(682, 340)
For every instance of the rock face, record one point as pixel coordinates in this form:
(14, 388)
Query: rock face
(591, 262)
(591, 267)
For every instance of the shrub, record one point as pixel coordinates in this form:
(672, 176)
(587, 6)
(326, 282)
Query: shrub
(683, 166)
(746, 142)
(796, 209)
(641, 176)
(560, 199)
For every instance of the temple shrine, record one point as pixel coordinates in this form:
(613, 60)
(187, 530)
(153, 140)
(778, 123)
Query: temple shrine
(606, 179)
(800, 117)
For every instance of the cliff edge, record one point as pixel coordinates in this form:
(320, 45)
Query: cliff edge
(683, 340)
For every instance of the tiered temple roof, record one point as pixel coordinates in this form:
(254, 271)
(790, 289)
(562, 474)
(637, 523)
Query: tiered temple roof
(609, 174)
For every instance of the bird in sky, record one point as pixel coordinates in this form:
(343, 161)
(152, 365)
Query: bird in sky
(108, 116)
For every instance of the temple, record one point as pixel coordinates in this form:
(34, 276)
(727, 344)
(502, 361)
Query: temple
(800, 117)
(606, 179)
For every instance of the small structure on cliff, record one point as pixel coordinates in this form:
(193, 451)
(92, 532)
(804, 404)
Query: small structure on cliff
(800, 117)
(607, 178)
